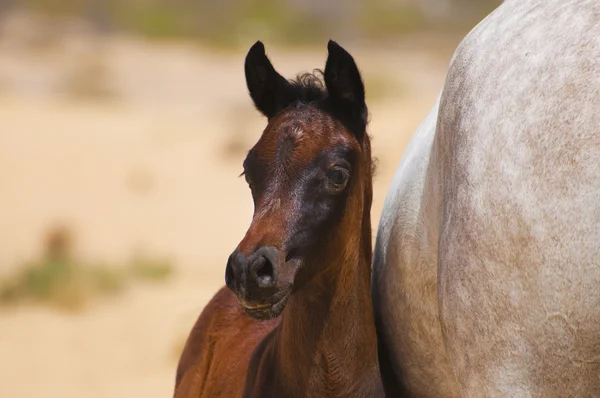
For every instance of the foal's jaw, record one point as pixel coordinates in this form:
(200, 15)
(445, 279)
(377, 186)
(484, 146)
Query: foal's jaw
(266, 311)
(271, 306)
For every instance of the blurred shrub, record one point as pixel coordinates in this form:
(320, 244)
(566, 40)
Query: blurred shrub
(146, 268)
(154, 19)
(58, 7)
(63, 284)
(381, 19)
(57, 279)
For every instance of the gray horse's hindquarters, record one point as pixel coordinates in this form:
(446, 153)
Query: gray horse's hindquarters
(501, 197)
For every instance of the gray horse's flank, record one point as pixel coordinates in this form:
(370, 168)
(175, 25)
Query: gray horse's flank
(486, 276)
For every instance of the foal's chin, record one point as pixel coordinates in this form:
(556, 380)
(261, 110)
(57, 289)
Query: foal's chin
(266, 311)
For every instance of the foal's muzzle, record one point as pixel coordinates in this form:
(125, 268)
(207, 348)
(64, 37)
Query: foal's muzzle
(253, 278)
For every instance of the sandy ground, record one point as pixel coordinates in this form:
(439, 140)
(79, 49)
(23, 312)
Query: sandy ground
(153, 167)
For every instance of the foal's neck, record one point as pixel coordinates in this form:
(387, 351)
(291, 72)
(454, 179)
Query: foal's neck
(326, 336)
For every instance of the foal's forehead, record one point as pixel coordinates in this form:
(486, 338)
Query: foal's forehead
(302, 134)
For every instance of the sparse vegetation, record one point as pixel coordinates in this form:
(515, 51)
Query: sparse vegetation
(59, 280)
(148, 269)
(229, 23)
(381, 19)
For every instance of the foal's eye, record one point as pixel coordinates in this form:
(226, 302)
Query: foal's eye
(338, 176)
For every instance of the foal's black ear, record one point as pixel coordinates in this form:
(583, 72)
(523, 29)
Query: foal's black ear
(344, 84)
(270, 91)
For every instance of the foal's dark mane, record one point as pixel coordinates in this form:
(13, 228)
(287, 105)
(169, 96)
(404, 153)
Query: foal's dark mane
(310, 89)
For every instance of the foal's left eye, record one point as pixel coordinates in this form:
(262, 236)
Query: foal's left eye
(338, 176)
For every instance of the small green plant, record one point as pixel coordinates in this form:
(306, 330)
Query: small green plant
(381, 19)
(57, 279)
(62, 283)
(145, 268)
(156, 20)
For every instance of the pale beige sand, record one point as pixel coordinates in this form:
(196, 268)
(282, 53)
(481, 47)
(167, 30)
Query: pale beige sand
(146, 171)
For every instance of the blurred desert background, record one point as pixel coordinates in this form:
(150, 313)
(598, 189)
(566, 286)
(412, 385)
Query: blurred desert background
(123, 127)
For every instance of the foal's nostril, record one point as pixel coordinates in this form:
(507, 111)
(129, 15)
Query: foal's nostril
(263, 271)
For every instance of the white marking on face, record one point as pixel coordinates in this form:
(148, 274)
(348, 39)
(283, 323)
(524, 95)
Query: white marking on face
(297, 132)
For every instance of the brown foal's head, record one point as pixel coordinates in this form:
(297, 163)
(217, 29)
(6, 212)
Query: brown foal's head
(308, 175)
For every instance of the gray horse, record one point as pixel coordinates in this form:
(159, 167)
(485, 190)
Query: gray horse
(486, 276)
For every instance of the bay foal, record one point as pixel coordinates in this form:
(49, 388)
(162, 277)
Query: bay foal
(296, 320)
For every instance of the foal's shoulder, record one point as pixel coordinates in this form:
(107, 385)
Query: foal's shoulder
(222, 330)
(194, 358)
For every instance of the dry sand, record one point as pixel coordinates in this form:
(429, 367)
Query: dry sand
(153, 168)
